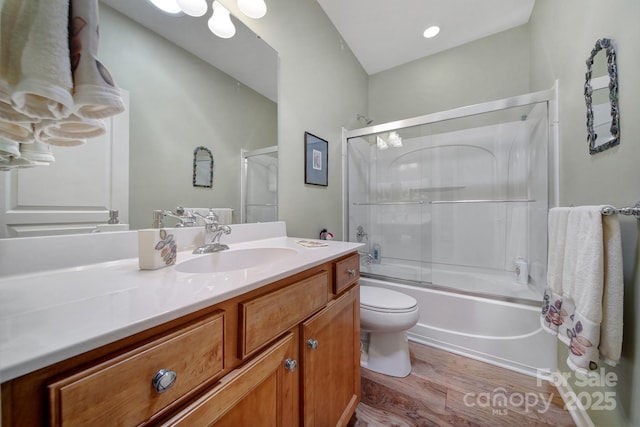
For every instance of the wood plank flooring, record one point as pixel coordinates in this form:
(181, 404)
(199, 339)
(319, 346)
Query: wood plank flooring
(445, 389)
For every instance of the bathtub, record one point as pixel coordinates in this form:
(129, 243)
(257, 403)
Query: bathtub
(503, 333)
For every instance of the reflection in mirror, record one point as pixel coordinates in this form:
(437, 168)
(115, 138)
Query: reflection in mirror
(180, 99)
(259, 185)
(603, 116)
(202, 167)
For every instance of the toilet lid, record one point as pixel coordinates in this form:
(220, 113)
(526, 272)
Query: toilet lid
(381, 299)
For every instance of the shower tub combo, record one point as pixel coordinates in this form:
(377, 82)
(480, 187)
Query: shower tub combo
(452, 208)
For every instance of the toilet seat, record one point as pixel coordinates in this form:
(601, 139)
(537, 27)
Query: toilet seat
(385, 300)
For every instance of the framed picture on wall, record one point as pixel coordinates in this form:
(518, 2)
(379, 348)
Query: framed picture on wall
(316, 157)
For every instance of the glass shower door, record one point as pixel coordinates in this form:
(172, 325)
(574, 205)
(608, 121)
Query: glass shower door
(259, 185)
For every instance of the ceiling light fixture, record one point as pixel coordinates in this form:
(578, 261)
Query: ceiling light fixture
(167, 6)
(194, 8)
(253, 8)
(220, 22)
(381, 143)
(431, 31)
(394, 139)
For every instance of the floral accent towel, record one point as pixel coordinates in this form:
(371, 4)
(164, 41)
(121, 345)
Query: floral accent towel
(583, 301)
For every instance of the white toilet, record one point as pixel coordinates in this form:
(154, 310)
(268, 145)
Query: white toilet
(385, 316)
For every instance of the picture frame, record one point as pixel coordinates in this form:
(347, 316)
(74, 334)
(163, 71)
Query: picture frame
(316, 156)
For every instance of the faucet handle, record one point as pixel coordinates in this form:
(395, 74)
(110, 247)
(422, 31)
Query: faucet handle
(212, 216)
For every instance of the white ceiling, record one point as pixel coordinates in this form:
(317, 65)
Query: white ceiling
(256, 67)
(386, 33)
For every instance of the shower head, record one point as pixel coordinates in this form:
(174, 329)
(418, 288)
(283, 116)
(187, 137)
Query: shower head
(364, 119)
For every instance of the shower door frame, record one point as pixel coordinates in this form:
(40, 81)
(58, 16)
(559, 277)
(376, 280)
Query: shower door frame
(244, 155)
(549, 96)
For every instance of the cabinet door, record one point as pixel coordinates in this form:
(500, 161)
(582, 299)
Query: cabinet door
(262, 393)
(331, 362)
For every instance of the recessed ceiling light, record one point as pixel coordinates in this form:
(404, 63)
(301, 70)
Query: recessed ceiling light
(168, 6)
(431, 31)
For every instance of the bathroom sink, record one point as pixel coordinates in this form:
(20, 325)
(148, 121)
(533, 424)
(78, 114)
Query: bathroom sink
(234, 260)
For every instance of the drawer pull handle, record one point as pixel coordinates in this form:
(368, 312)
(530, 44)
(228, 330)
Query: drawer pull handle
(352, 272)
(312, 344)
(290, 364)
(163, 380)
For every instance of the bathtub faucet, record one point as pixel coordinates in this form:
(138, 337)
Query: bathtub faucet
(360, 234)
(369, 257)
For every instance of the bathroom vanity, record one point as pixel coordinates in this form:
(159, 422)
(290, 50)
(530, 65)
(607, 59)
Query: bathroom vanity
(276, 345)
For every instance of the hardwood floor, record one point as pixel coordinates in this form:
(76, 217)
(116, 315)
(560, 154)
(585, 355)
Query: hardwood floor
(445, 389)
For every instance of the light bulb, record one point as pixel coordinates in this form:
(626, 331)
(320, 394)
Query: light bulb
(220, 22)
(431, 31)
(253, 8)
(381, 143)
(394, 139)
(193, 7)
(168, 6)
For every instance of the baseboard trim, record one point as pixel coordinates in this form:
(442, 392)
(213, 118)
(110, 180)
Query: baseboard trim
(578, 413)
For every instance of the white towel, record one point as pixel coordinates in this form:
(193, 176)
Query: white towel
(70, 131)
(553, 316)
(10, 45)
(36, 152)
(9, 148)
(18, 132)
(43, 89)
(95, 93)
(592, 288)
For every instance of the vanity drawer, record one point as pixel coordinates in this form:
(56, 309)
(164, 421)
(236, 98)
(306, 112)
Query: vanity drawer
(345, 273)
(265, 317)
(120, 390)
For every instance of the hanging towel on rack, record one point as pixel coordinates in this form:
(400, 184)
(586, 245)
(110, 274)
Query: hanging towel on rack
(553, 316)
(95, 93)
(592, 289)
(43, 88)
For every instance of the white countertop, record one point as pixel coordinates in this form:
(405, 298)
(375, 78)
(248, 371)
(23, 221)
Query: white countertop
(49, 316)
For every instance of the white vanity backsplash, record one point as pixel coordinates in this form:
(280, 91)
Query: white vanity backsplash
(35, 254)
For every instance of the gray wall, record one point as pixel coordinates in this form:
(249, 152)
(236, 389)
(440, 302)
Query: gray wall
(553, 46)
(492, 68)
(321, 88)
(562, 36)
(179, 102)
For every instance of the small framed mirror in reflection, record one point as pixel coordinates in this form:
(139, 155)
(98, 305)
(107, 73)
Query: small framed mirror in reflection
(202, 167)
(603, 116)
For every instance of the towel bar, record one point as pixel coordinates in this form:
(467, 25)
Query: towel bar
(635, 210)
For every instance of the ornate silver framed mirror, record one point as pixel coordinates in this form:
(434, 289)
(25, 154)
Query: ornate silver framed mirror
(202, 167)
(603, 116)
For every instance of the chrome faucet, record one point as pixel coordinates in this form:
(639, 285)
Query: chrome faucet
(184, 221)
(360, 234)
(213, 231)
(368, 259)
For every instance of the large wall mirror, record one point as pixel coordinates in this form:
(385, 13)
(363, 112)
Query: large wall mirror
(187, 88)
(601, 96)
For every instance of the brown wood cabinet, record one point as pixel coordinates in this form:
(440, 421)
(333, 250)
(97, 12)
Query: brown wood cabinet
(330, 362)
(247, 361)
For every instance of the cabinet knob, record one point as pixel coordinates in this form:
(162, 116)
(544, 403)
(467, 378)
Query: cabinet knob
(312, 344)
(163, 380)
(290, 364)
(352, 272)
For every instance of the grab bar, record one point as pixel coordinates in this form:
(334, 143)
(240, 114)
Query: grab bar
(635, 210)
(442, 202)
(417, 202)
